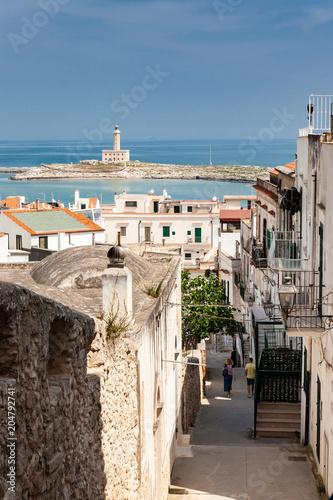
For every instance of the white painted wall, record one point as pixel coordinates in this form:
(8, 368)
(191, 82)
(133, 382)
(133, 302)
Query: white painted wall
(161, 340)
(320, 350)
(4, 248)
(12, 229)
(180, 224)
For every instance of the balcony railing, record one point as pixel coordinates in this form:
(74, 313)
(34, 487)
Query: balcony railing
(308, 306)
(320, 112)
(285, 246)
(259, 258)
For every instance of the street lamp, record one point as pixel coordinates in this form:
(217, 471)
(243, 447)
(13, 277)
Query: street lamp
(287, 295)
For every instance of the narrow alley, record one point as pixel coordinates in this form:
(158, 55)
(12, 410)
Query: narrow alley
(227, 462)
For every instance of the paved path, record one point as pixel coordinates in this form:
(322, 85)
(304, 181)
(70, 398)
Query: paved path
(227, 462)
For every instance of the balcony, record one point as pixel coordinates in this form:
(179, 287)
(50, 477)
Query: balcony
(259, 258)
(246, 293)
(284, 249)
(307, 311)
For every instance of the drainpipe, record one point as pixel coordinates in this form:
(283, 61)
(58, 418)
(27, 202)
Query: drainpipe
(313, 231)
(139, 225)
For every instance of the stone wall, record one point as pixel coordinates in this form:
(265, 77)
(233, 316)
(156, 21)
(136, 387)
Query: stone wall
(114, 362)
(96, 417)
(191, 393)
(58, 446)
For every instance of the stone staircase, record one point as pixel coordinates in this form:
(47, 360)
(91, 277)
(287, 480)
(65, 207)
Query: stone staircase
(278, 419)
(246, 349)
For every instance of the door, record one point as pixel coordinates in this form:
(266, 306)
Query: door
(147, 233)
(18, 242)
(264, 235)
(197, 235)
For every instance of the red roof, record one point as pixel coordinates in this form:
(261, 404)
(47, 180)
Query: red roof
(11, 202)
(266, 192)
(93, 202)
(234, 215)
(291, 166)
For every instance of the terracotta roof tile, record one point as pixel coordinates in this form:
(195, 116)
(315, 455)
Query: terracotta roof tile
(265, 191)
(93, 202)
(291, 166)
(11, 202)
(274, 171)
(234, 215)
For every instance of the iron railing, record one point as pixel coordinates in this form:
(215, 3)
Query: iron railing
(284, 245)
(278, 378)
(259, 256)
(320, 112)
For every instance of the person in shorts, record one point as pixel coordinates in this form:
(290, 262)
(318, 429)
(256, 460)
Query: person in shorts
(250, 372)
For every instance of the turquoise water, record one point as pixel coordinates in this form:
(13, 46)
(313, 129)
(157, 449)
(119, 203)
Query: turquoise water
(232, 152)
(105, 189)
(227, 152)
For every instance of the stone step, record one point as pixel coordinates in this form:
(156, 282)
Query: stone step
(286, 423)
(280, 414)
(279, 406)
(276, 432)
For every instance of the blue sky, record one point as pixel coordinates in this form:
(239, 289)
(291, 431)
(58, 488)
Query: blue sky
(164, 69)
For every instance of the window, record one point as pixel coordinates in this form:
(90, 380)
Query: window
(197, 235)
(83, 206)
(155, 207)
(18, 242)
(189, 209)
(166, 231)
(173, 233)
(131, 203)
(189, 233)
(43, 243)
(123, 231)
(188, 256)
(176, 209)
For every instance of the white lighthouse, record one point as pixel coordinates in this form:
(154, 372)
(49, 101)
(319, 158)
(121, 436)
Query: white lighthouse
(117, 155)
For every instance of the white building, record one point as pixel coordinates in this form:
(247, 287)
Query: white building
(116, 155)
(193, 226)
(14, 255)
(49, 229)
(313, 323)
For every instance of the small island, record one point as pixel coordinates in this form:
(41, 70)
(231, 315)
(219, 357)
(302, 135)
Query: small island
(95, 169)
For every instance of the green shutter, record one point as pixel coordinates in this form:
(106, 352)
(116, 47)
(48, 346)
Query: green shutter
(166, 231)
(197, 235)
(268, 239)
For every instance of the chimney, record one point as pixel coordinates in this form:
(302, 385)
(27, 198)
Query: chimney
(37, 204)
(117, 283)
(76, 198)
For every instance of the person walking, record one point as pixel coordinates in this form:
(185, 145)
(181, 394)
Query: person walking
(250, 372)
(229, 374)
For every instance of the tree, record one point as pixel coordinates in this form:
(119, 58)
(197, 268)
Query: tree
(200, 316)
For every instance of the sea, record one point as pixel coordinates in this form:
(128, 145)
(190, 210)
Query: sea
(187, 152)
